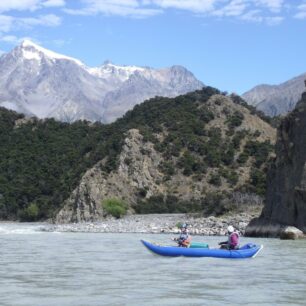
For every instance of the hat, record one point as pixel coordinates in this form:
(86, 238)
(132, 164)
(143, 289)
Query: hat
(230, 229)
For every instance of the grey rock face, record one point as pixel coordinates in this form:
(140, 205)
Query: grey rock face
(137, 170)
(38, 82)
(286, 193)
(276, 100)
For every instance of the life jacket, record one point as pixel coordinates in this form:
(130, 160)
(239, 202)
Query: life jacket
(230, 239)
(186, 243)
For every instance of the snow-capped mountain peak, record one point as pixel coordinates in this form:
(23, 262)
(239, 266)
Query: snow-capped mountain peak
(32, 51)
(108, 70)
(40, 82)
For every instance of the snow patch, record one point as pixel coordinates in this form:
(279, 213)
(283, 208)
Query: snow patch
(30, 54)
(108, 70)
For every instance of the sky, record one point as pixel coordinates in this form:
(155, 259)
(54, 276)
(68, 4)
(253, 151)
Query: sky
(233, 45)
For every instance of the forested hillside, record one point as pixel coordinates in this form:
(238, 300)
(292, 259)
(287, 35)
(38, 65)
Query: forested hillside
(206, 136)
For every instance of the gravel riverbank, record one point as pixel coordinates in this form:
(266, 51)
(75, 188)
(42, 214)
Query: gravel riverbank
(161, 223)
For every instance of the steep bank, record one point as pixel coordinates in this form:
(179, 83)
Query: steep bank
(286, 191)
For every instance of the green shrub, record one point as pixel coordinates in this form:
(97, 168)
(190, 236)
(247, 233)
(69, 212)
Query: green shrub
(235, 120)
(167, 168)
(160, 204)
(143, 192)
(30, 213)
(238, 137)
(243, 157)
(215, 179)
(258, 179)
(115, 207)
(213, 204)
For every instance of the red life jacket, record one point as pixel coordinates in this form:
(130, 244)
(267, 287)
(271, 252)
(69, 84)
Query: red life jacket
(186, 243)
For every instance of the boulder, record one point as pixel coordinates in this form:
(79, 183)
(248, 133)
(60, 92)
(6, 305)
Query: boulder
(291, 233)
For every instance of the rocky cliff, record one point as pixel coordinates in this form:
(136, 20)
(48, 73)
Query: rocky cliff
(137, 170)
(286, 192)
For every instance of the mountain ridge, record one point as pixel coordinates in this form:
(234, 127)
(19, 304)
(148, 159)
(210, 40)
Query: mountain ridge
(276, 100)
(39, 82)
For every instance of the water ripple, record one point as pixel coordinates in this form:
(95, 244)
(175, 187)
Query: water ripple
(115, 269)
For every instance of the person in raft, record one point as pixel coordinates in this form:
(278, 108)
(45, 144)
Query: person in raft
(184, 239)
(233, 240)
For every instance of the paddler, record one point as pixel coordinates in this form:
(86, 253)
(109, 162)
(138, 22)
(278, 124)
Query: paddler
(184, 239)
(233, 239)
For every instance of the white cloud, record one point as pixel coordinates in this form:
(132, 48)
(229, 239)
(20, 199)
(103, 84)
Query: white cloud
(28, 5)
(274, 20)
(14, 40)
(54, 3)
(127, 8)
(234, 8)
(273, 5)
(10, 39)
(253, 16)
(9, 23)
(8, 5)
(6, 23)
(301, 14)
(45, 20)
(257, 17)
(268, 11)
(197, 6)
(51, 20)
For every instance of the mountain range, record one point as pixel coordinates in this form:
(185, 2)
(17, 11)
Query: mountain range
(41, 83)
(276, 100)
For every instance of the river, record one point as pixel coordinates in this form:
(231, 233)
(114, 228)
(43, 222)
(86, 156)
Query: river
(50, 268)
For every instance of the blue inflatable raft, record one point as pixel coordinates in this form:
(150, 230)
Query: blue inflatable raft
(247, 251)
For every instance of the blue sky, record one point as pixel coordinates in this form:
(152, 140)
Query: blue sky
(229, 44)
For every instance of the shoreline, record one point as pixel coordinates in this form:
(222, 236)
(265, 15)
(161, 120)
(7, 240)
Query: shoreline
(162, 223)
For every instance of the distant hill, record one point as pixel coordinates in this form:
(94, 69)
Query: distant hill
(276, 100)
(39, 82)
(166, 155)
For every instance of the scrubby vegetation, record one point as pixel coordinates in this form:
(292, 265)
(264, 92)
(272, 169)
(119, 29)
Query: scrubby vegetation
(115, 207)
(213, 203)
(42, 161)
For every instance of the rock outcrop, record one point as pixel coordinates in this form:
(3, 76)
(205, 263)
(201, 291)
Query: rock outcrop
(286, 193)
(137, 170)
